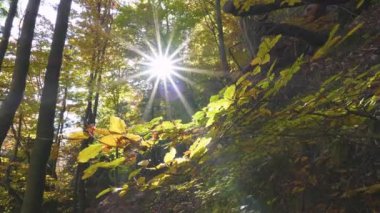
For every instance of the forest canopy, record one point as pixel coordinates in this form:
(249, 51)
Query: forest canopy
(189, 106)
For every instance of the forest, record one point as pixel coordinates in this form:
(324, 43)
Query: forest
(182, 106)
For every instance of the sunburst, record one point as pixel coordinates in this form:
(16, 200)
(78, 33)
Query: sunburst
(163, 67)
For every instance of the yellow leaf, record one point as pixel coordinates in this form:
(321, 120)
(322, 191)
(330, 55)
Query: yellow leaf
(90, 152)
(124, 190)
(100, 131)
(256, 61)
(117, 125)
(133, 137)
(78, 136)
(111, 140)
(140, 181)
(170, 155)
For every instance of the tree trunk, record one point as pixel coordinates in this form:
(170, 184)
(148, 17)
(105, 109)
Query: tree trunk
(16, 93)
(7, 30)
(222, 49)
(45, 127)
(61, 121)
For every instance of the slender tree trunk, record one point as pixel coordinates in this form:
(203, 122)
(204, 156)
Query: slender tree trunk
(61, 120)
(45, 127)
(7, 30)
(222, 49)
(16, 93)
(8, 179)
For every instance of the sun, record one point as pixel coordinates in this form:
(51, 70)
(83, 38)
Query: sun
(161, 67)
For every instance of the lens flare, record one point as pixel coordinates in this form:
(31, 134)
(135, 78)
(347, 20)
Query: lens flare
(161, 67)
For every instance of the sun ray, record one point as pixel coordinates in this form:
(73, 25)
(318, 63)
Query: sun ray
(151, 99)
(183, 78)
(169, 43)
(179, 49)
(199, 71)
(154, 51)
(157, 28)
(141, 53)
(147, 72)
(187, 106)
(168, 109)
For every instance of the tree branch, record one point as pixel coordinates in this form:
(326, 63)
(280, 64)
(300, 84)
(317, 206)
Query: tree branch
(313, 38)
(258, 9)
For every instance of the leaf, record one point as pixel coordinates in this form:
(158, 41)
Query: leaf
(100, 131)
(124, 190)
(90, 152)
(117, 125)
(199, 147)
(230, 92)
(156, 121)
(143, 163)
(80, 135)
(359, 3)
(214, 98)
(170, 155)
(141, 129)
(290, 2)
(372, 189)
(111, 140)
(104, 192)
(198, 116)
(157, 180)
(91, 170)
(134, 173)
(113, 163)
(263, 56)
(133, 137)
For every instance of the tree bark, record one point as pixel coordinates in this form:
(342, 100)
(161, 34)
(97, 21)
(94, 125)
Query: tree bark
(45, 127)
(52, 164)
(222, 49)
(7, 30)
(16, 93)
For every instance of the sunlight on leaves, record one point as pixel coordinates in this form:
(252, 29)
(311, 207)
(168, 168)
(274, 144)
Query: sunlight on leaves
(90, 152)
(117, 125)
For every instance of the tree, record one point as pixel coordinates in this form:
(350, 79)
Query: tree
(222, 50)
(7, 30)
(45, 127)
(16, 93)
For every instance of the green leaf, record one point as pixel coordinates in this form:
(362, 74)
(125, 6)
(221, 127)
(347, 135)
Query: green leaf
(91, 170)
(199, 147)
(117, 125)
(104, 192)
(214, 98)
(165, 126)
(90, 152)
(141, 129)
(230, 92)
(170, 155)
(198, 116)
(133, 137)
(134, 173)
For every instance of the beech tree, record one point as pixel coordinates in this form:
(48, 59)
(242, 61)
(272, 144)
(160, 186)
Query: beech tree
(45, 127)
(17, 88)
(7, 30)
